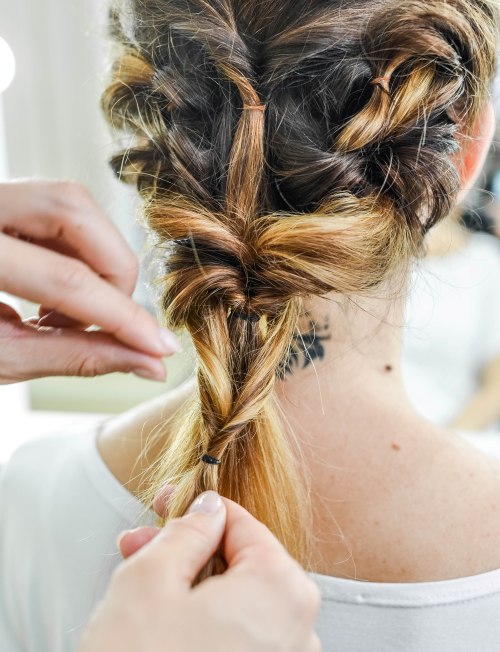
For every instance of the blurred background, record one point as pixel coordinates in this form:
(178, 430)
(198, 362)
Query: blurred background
(51, 126)
(53, 57)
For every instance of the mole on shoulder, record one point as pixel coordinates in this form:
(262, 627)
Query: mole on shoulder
(395, 446)
(388, 368)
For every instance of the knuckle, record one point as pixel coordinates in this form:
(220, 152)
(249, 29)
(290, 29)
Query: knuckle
(131, 270)
(72, 274)
(68, 197)
(71, 190)
(134, 315)
(89, 366)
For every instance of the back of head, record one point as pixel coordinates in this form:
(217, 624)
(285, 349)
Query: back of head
(284, 149)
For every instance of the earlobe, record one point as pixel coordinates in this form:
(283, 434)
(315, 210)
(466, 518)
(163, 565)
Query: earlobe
(475, 147)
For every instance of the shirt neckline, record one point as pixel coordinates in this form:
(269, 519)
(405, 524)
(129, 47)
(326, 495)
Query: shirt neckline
(333, 588)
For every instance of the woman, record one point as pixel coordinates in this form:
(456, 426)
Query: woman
(291, 159)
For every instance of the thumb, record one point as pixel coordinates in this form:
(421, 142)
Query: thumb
(185, 545)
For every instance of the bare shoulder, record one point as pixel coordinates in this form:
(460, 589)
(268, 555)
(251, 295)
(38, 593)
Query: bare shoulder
(129, 443)
(455, 525)
(477, 508)
(427, 511)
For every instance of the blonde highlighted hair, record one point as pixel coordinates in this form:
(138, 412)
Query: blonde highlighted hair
(330, 189)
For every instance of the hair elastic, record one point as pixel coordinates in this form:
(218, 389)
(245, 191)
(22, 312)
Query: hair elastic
(255, 107)
(383, 82)
(208, 459)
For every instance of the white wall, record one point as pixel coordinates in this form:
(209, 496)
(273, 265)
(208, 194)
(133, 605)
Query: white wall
(54, 127)
(3, 145)
(52, 123)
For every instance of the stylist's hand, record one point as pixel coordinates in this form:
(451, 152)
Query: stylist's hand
(58, 250)
(264, 602)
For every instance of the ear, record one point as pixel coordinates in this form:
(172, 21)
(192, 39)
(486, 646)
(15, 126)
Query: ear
(474, 149)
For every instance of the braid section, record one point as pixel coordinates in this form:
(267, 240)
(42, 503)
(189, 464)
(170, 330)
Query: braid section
(283, 150)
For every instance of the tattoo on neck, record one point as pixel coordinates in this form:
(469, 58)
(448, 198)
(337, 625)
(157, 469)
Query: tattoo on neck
(307, 347)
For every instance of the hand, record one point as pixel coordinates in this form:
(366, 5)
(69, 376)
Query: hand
(58, 250)
(264, 601)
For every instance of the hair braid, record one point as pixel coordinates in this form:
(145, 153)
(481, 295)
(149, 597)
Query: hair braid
(331, 189)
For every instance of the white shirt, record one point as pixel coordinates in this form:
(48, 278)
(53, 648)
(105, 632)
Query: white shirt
(452, 327)
(61, 510)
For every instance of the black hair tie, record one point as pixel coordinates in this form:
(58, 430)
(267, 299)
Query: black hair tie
(208, 459)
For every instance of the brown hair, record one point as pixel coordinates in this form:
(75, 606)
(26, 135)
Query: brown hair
(331, 188)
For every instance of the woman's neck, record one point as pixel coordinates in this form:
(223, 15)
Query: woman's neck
(346, 348)
(344, 402)
(379, 475)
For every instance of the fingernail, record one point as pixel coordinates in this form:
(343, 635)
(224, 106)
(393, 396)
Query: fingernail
(170, 341)
(149, 374)
(208, 503)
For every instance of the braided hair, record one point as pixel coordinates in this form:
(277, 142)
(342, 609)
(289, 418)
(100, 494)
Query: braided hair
(283, 149)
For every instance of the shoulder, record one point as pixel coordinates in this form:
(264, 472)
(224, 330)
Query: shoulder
(433, 515)
(60, 514)
(131, 443)
(42, 477)
(444, 516)
(58, 482)
(32, 467)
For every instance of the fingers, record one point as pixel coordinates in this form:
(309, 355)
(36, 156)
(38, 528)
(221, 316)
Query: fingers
(27, 353)
(257, 563)
(64, 215)
(132, 541)
(251, 550)
(243, 532)
(185, 545)
(73, 289)
(247, 538)
(160, 503)
(51, 319)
